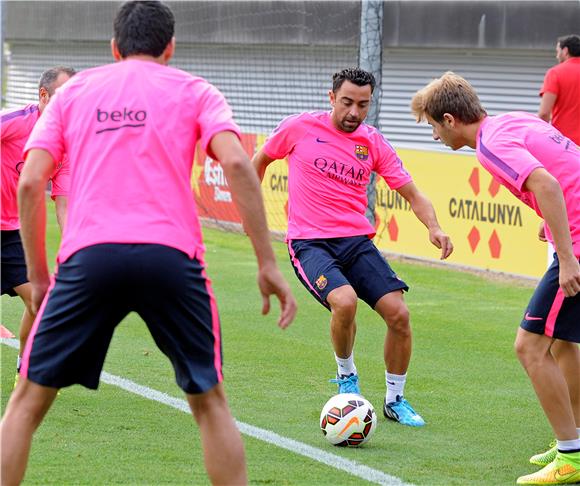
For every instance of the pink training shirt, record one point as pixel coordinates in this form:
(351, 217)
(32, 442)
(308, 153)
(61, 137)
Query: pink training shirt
(130, 130)
(328, 174)
(16, 125)
(512, 145)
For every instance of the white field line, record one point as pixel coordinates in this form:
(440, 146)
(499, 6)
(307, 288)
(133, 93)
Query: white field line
(351, 467)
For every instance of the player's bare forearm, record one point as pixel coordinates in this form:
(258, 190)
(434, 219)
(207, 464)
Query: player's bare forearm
(260, 161)
(546, 105)
(32, 212)
(550, 199)
(60, 205)
(425, 213)
(247, 195)
(420, 205)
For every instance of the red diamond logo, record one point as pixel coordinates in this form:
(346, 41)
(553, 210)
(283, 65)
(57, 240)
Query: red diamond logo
(473, 237)
(474, 181)
(493, 187)
(494, 245)
(393, 229)
(377, 220)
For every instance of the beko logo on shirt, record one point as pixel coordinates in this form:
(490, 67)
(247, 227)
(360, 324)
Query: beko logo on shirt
(117, 119)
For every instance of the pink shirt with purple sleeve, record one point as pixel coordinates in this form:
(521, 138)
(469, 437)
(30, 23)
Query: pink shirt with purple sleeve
(512, 145)
(131, 153)
(329, 171)
(16, 125)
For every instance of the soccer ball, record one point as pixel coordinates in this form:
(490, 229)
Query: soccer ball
(348, 419)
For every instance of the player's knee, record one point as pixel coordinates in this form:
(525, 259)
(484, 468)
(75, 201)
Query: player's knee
(344, 304)
(526, 355)
(398, 320)
(27, 407)
(207, 403)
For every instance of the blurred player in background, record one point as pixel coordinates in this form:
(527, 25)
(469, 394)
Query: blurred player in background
(331, 156)
(132, 240)
(16, 125)
(541, 167)
(560, 92)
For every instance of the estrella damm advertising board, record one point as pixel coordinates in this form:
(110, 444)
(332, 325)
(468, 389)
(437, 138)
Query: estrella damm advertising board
(489, 227)
(210, 187)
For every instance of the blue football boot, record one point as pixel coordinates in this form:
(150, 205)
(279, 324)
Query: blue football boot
(401, 411)
(347, 384)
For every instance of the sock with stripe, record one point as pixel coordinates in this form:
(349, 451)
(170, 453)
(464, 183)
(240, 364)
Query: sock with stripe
(395, 386)
(568, 446)
(345, 366)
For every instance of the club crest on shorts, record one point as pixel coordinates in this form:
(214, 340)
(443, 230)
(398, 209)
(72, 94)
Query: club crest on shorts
(361, 152)
(321, 282)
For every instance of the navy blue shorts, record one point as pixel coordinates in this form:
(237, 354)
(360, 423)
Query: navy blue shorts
(549, 312)
(323, 265)
(13, 264)
(97, 287)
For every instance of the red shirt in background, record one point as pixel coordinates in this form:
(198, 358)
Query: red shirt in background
(563, 80)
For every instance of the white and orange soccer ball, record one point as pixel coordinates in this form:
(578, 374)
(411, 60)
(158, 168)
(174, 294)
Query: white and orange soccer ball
(348, 419)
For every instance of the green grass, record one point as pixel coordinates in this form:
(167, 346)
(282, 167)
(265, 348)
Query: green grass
(483, 420)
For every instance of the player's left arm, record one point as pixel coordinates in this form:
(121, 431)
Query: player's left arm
(245, 187)
(60, 189)
(261, 161)
(36, 172)
(60, 205)
(425, 212)
(550, 198)
(546, 105)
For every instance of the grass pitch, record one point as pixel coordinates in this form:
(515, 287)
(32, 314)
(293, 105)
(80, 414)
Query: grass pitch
(483, 420)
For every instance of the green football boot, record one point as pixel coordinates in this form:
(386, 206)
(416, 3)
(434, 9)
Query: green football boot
(546, 457)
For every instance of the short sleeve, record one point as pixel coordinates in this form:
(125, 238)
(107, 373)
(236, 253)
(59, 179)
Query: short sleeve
(11, 125)
(509, 160)
(551, 84)
(283, 138)
(215, 116)
(61, 179)
(388, 164)
(47, 134)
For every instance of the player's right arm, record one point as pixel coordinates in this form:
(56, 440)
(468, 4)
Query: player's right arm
(546, 105)
(261, 161)
(549, 94)
(281, 142)
(32, 211)
(60, 189)
(60, 206)
(45, 145)
(247, 195)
